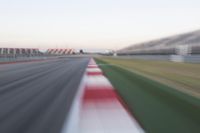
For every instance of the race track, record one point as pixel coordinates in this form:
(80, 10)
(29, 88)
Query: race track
(35, 97)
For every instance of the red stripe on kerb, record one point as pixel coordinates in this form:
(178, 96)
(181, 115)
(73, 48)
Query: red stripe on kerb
(94, 73)
(99, 94)
(91, 87)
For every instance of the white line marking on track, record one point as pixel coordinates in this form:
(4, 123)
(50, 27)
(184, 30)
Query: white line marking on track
(71, 124)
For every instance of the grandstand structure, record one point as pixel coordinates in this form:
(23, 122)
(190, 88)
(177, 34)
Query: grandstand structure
(14, 52)
(60, 51)
(188, 43)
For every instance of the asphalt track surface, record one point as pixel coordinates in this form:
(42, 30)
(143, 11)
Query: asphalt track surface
(35, 97)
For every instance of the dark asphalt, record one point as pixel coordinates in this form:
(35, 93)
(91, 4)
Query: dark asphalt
(35, 97)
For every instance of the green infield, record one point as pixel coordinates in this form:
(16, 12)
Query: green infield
(158, 107)
(182, 76)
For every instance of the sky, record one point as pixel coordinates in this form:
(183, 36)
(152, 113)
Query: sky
(93, 24)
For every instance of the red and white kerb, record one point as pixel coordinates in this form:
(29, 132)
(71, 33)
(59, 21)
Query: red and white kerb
(102, 110)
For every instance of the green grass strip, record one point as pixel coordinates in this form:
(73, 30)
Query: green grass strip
(159, 108)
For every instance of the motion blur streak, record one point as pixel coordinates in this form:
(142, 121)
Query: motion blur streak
(36, 97)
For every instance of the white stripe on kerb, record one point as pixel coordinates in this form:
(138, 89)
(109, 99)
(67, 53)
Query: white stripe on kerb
(92, 65)
(97, 81)
(107, 117)
(93, 70)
